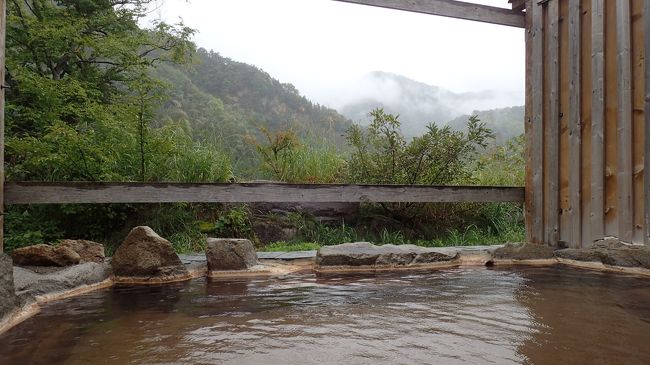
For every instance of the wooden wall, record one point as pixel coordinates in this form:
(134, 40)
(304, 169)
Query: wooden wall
(587, 92)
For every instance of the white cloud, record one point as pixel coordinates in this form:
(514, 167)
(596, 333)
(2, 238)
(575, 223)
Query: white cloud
(322, 45)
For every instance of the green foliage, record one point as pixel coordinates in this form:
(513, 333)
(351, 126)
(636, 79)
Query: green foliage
(233, 223)
(442, 156)
(225, 102)
(177, 158)
(288, 246)
(22, 228)
(93, 97)
(506, 123)
(82, 106)
(502, 164)
(381, 155)
(285, 158)
(311, 231)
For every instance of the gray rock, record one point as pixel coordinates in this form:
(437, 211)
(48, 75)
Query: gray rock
(578, 254)
(525, 251)
(71, 277)
(269, 232)
(347, 211)
(7, 292)
(610, 252)
(394, 255)
(348, 254)
(144, 254)
(366, 254)
(89, 251)
(230, 254)
(45, 255)
(428, 255)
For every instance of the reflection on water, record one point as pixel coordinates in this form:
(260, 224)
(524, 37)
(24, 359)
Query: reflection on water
(475, 316)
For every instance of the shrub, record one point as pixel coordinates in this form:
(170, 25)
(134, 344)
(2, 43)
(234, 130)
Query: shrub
(285, 158)
(381, 155)
(442, 156)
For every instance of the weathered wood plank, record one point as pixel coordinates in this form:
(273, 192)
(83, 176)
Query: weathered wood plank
(624, 128)
(611, 121)
(528, 118)
(3, 29)
(564, 125)
(517, 5)
(91, 192)
(575, 125)
(585, 118)
(638, 104)
(646, 158)
(597, 214)
(552, 224)
(536, 131)
(452, 9)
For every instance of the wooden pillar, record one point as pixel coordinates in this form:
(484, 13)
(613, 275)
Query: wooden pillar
(624, 128)
(575, 126)
(552, 126)
(534, 120)
(597, 120)
(646, 157)
(3, 29)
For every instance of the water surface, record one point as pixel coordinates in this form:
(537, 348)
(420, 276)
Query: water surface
(457, 316)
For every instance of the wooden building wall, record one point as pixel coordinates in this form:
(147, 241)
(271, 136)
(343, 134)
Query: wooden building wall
(587, 121)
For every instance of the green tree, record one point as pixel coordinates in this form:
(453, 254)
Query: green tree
(381, 155)
(81, 106)
(76, 70)
(285, 157)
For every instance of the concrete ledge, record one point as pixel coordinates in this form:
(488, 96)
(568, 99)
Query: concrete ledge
(264, 270)
(599, 266)
(156, 280)
(18, 315)
(385, 268)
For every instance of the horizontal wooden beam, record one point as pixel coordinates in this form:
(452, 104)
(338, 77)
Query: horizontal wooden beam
(452, 9)
(92, 192)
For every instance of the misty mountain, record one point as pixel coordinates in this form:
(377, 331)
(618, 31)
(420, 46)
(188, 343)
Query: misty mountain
(504, 122)
(417, 103)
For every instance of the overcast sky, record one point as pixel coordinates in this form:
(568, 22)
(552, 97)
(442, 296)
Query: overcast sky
(321, 46)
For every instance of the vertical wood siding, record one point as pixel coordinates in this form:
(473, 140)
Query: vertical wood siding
(588, 106)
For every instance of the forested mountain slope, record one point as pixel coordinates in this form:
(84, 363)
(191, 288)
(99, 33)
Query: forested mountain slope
(229, 103)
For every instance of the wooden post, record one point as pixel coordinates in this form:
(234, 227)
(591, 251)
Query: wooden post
(535, 132)
(597, 120)
(575, 126)
(646, 157)
(3, 29)
(552, 223)
(624, 128)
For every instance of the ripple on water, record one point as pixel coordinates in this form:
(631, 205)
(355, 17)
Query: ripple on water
(475, 315)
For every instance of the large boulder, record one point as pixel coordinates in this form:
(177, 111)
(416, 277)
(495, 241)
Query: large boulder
(230, 254)
(525, 251)
(367, 254)
(610, 252)
(45, 255)
(89, 251)
(144, 254)
(7, 293)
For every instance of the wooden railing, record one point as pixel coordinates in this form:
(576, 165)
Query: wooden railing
(94, 192)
